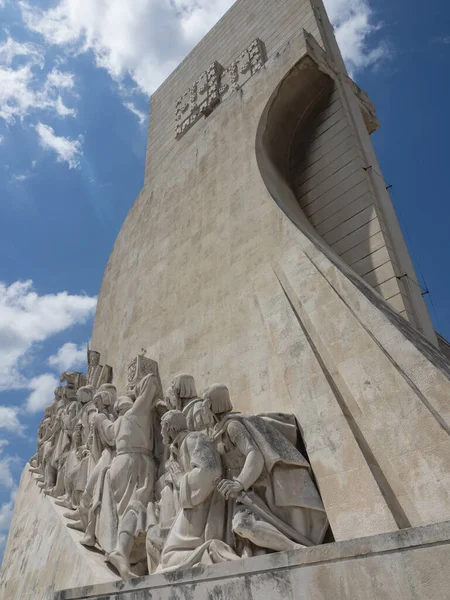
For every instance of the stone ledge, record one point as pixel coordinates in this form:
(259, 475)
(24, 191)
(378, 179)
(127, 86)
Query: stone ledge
(42, 554)
(272, 565)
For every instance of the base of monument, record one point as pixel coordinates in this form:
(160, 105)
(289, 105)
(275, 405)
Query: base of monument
(42, 554)
(402, 565)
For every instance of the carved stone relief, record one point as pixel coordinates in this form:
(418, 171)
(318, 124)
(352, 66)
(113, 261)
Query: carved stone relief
(216, 84)
(199, 100)
(164, 482)
(97, 374)
(138, 368)
(240, 71)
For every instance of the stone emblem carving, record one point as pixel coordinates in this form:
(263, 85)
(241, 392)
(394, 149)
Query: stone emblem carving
(73, 380)
(161, 482)
(214, 85)
(138, 368)
(240, 71)
(199, 100)
(97, 374)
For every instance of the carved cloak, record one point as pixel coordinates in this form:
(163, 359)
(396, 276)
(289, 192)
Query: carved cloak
(195, 535)
(285, 486)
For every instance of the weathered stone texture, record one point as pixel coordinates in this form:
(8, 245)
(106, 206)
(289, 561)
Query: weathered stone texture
(253, 261)
(42, 555)
(273, 22)
(209, 274)
(408, 565)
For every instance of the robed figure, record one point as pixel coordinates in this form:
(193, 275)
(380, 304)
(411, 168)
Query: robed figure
(129, 483)
(272, 501)
(194, 465)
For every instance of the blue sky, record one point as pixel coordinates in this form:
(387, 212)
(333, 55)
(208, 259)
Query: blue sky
(75, 81)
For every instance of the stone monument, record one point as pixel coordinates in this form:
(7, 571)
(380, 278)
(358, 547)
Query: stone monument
(301, 448)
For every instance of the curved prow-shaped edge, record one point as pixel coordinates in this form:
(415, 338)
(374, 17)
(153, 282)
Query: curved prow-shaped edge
(290, 111)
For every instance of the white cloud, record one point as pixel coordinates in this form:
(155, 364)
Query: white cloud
(58, 79)
(9, 420)
(69, 356)
(6, 513)
(21, 177)
(62, 109)
(42, 394)
(8, 483)
(444, 39)
(6, 476)
(22, 90)
(354, 24)
(27, 318)
(67, 150)
(10, 49)
(146, 39)
(142, 116)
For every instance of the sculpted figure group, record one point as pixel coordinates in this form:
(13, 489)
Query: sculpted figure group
(165, 481)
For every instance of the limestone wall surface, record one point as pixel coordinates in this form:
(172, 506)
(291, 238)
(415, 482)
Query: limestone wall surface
(382, 256)
(227, 269)
(409, 565)
(273, 22)
(330, 180)
(42, 555)
(215, 274)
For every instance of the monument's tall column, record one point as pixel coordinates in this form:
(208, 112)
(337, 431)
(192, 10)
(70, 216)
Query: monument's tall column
(263, 252)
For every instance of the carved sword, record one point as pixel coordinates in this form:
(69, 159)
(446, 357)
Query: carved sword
(286, 529)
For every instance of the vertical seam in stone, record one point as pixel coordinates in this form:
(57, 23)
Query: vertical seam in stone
(442, 423)
(392, 502)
